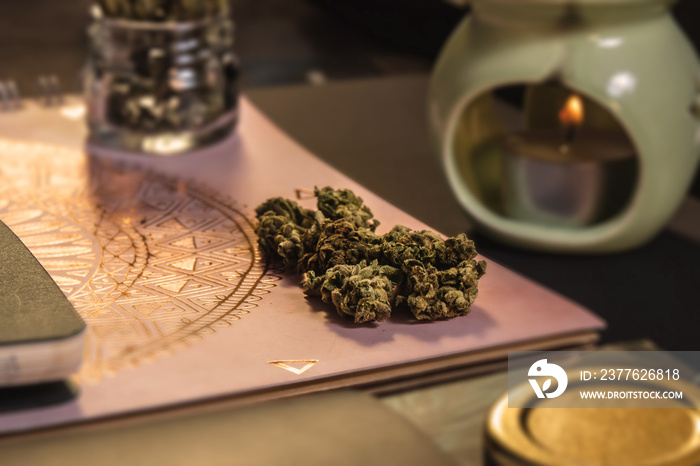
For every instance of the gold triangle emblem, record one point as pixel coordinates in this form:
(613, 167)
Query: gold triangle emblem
(298, 366)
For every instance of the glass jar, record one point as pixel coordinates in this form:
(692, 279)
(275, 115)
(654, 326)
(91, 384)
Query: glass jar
(160, 87)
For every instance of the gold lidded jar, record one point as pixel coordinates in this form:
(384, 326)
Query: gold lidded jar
(594, 436)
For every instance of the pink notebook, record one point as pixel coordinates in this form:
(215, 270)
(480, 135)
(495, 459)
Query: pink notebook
(159, 257)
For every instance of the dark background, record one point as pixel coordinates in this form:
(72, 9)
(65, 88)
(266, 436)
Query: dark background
(279, 41)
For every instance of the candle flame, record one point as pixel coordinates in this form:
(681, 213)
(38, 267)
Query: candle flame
(572, 112)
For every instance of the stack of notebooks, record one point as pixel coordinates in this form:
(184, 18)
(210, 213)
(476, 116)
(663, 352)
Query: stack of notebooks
(159, 258)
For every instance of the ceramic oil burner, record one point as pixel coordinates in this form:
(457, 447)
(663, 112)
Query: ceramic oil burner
(568, 125)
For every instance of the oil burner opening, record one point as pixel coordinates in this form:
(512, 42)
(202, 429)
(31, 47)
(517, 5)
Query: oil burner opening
(545, 154)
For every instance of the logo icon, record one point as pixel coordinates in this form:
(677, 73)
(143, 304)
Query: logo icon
(542, 368)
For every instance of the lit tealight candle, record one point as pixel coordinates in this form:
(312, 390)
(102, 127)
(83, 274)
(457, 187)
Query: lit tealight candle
(567, 178)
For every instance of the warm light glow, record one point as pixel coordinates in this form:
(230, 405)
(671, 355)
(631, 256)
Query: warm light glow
(572, 112)
(73, 112)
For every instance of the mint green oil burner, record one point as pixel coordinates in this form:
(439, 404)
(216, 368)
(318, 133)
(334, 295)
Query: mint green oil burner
(600, 139)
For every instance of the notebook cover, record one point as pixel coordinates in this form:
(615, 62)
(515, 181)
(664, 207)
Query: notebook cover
(41, 335)
(179, 304)
(32, 307)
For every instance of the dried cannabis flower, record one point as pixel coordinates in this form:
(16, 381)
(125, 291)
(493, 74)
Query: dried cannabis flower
(365, 275)
(402, 244)
(441, 275)
(455, 250)
(338, 242)
(344, 204)
(363, 292)
(281, 224)
(438, 294)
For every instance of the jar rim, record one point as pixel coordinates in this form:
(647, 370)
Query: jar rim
(179, 26)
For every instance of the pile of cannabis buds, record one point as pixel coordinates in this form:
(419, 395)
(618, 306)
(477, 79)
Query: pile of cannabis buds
(365, 275)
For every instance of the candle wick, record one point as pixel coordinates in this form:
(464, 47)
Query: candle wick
(570, 133)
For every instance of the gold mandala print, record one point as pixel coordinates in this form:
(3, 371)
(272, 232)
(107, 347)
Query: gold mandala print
(151, 264)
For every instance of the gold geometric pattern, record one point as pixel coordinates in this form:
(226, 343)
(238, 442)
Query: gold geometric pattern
(151, 264)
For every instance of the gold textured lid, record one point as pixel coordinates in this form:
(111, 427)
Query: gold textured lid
(595, 436)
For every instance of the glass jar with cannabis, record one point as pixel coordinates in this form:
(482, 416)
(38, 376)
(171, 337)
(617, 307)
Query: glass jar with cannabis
(161, 75)
(365, 275)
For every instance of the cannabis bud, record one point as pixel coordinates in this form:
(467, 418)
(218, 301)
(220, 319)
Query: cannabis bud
(281, 225)
(437, 294)
(338, 242)
(441, 275)
(364, 292)
(344, 204)
(365, 275)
